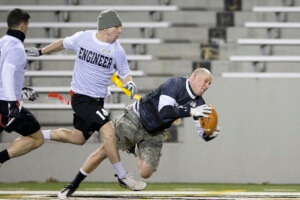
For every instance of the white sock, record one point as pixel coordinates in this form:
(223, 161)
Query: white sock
(46, 134)
(83, 172)
(121, 172)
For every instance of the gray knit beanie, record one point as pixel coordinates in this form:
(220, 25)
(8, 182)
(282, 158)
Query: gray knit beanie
(108, 19)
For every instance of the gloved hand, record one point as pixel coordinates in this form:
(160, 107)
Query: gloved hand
(34, 52)
(201, 111)
(131, 87)
(29, 93)
(13, 109)
(212, 136)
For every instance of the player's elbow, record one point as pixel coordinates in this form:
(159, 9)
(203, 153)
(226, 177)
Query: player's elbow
(167, 113)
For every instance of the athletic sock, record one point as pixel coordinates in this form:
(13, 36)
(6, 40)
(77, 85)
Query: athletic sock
(46, 134)
(79, 178)
(121, 172)
(4, 156)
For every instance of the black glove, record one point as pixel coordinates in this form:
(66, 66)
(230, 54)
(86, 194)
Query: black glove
(212, 136)
(13, 109)
(34, 52)
(29, 93)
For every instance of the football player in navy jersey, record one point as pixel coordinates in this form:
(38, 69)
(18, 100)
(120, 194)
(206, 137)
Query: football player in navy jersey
(13, 64)
(140, 129)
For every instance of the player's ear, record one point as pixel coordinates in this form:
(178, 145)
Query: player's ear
(195, 76)
(23, 26)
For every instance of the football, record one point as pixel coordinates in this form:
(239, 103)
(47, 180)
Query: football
(209, 125)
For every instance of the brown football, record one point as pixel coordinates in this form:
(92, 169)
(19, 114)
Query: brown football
(209, 125)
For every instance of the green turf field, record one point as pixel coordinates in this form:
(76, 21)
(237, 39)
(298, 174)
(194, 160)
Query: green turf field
(155, 191)
(92, 186)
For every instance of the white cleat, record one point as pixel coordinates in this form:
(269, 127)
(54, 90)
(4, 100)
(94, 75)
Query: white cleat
(130, 183)
(66, 192)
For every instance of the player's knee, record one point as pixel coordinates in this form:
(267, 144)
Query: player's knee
(40, 142)
(79, 141)
(78, 138)
(37, 140)
(146, 175)
(146, 172)
(107, 131)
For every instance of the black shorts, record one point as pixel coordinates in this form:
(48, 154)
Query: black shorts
(89, 114)
(26, 124)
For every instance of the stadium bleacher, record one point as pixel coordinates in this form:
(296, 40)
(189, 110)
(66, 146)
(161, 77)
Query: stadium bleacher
(276, 46)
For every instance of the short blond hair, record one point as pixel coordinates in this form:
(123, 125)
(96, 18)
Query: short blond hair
(201, 71)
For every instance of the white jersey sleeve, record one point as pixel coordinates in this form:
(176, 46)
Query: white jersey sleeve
(12, 81)
(70, 42)
(7, 75)
(165, 100)
(121, 62)
(199, 129)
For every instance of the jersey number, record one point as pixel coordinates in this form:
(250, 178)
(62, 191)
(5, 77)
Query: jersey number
(103, 114)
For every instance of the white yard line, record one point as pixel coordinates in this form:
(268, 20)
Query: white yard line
(160, 193)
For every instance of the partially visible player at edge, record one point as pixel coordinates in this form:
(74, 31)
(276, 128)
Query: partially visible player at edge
(98, 56)
(13, 64)
(140, 129)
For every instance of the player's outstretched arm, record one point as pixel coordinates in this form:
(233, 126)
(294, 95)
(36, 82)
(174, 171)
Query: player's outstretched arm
(53, 47)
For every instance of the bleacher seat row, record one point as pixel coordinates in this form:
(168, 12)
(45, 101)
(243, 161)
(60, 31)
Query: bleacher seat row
(265, 58)
(263, 41)
(86, 8)
(267, 45)
(274, 9)
(121, 40)
(92, 25)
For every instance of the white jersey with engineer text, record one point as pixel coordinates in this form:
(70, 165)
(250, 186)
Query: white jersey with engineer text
(95, 63)
(13, 64)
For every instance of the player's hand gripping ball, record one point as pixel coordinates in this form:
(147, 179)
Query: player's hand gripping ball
(209, 124)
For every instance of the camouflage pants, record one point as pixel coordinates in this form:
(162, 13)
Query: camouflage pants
(130, 131)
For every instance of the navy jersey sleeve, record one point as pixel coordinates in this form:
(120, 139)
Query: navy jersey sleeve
(171, 92)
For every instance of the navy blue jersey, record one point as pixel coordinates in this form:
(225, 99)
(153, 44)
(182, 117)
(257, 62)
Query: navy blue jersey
(176, 92)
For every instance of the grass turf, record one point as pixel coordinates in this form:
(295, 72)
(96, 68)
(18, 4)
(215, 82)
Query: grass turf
(93, 186)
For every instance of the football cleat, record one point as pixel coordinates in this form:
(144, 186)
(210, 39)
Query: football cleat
(130, 183)
(66, 192)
